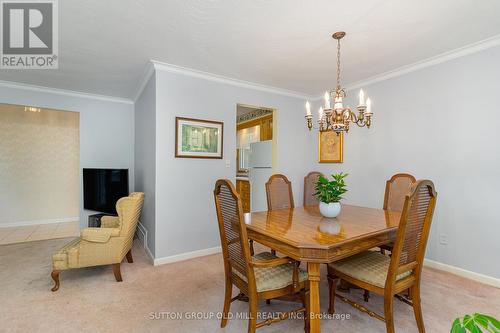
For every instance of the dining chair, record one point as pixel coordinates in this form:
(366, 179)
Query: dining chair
(279, 196)
(396, 190)
(260, 277)
(310, 181)
(279, 192)
(389, 276)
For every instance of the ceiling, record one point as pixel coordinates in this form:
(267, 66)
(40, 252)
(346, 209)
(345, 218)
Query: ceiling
(104, 46)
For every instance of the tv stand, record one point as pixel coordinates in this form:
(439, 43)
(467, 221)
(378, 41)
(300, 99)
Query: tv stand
(95, 220)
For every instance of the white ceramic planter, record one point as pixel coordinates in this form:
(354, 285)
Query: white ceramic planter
(330, 210)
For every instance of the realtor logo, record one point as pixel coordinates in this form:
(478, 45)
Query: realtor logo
(29, 34)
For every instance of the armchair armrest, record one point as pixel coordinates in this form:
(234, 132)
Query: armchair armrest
(99, 235)
(110, 222)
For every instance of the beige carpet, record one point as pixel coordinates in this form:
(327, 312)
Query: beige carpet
(90, 300)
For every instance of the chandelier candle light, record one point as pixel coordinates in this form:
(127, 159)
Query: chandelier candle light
(339, 117)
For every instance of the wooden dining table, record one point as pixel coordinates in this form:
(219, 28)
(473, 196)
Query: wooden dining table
(304, 235)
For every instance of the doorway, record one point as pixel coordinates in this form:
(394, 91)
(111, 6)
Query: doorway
(39, 164)
(255, 154)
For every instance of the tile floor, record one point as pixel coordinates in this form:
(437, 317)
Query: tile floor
(31, 233)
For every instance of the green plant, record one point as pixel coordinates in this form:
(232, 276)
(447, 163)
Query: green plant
(475, 323)
(331, 191)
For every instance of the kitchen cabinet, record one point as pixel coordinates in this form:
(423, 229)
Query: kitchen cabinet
(243, 189)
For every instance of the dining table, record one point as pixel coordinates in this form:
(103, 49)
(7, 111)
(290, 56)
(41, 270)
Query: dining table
(303, 234)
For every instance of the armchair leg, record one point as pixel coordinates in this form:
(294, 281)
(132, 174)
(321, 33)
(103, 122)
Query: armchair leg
(55, 277)
(129, 256)
(116, 271)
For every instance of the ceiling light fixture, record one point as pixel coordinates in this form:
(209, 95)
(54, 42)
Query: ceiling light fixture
(339, 117)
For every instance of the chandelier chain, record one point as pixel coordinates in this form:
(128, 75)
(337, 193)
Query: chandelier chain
(338, 64)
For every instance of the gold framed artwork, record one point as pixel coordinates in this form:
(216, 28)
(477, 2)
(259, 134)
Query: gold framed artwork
(330, 147)
(197, 138)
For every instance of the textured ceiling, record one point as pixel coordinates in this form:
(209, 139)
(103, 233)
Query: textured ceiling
(105, 45)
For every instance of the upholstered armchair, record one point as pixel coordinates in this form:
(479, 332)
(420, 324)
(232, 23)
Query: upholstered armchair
(107, 245)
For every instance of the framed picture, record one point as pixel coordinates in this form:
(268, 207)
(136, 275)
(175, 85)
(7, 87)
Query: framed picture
(331, 147)
(196, 138)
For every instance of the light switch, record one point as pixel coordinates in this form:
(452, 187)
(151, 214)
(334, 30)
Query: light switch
(228, 163)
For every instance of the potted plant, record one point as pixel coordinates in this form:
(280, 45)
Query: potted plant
(329, 194)
(476, 323)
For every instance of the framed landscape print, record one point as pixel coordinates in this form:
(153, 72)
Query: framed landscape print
(331, 147)
(196, 138)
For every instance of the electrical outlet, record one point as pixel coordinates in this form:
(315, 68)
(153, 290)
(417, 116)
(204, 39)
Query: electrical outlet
(443, 239)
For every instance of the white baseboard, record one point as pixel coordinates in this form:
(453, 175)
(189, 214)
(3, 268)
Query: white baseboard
(187, 255)
(489, 280)
(37, 222)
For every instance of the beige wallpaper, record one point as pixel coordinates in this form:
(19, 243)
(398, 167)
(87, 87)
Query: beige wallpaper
(39, 164)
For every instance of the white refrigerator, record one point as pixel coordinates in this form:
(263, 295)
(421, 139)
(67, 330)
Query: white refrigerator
(260, 169)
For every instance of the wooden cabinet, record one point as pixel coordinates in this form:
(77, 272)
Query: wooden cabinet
(266, 128)
(243, 189)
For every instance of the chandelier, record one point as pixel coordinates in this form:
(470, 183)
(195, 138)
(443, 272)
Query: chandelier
(339, 117)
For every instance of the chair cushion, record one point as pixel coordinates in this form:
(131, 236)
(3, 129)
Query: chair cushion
(370, 266)
(272, 278)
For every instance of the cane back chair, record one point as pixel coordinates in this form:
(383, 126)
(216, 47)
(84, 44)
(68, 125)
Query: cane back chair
(396, 190)
(279, 196)
(389, 276)
(258, 277)
(310, 188)
(279, 192)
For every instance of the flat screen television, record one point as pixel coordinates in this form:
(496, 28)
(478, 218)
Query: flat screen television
(103, 187)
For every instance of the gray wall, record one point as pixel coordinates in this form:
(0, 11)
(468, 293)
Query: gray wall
(106, 128)
(145, 157)
(186, 219)
(439, 123)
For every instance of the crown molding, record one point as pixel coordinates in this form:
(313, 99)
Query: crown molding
(440, 58)
(63, 92)
(161, 66)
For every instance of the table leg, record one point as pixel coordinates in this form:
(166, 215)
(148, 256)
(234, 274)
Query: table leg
(314, 306)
